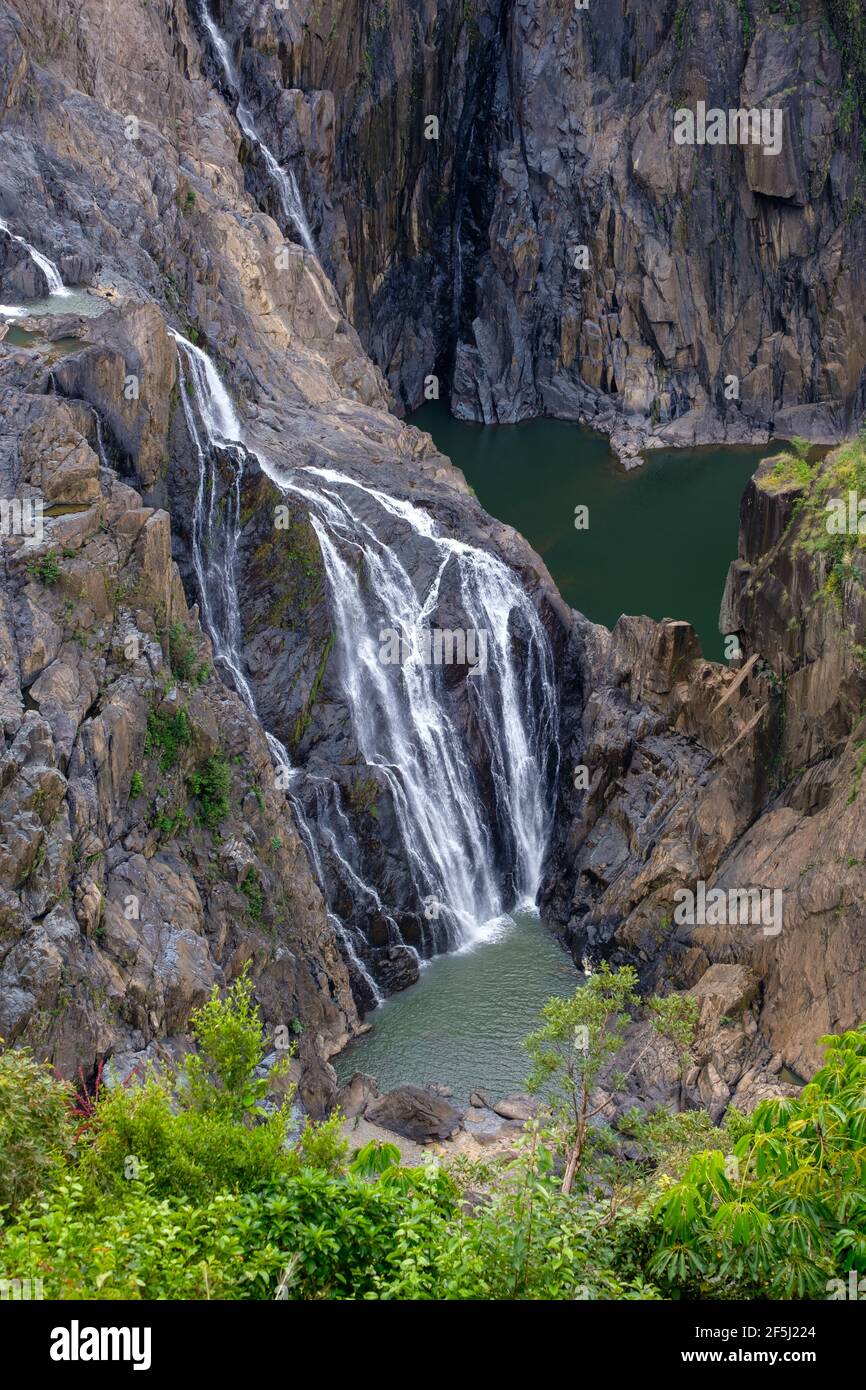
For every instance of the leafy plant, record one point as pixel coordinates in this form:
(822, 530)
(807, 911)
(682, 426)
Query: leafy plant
(34, 1128)
(46, 568)
(210, 785)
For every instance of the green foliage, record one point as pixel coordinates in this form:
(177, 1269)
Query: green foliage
(577, 1038)
(786, 1212)
(188, 1187)
(529, 1240)
(183, 656)
(168, 732)
(136, 786)
(46, 569)
(34, 1125)
(210, 785)
(141, 1137)
(221, 1076)
(252, 891)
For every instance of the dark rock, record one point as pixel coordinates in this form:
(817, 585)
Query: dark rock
(353, 1098)
(415, 1113)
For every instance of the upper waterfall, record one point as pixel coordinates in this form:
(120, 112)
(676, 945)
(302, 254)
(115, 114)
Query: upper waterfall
(286, 184)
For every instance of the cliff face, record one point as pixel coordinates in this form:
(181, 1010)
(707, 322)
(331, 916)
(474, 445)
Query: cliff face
(118, 744)
(459, 256)
(136, 180)
(744, 777)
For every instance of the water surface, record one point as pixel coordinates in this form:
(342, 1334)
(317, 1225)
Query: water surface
(463, 1023)
(660, 538)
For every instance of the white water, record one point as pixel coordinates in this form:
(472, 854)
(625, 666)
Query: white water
(216, 434)
(286, 184)
(475, 860)
(48, 268)
(472, 865)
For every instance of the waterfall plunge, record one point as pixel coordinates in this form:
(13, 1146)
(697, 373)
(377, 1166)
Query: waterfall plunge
(474, 857)
(48, 268)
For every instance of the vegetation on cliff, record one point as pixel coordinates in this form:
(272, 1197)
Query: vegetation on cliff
(186, 1188)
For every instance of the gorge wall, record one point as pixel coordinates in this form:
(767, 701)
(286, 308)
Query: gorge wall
(123, 161)
(456, 256)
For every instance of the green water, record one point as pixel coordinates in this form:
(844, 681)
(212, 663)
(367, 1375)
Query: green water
(660, 538)
(75, 302)
(463, 1022)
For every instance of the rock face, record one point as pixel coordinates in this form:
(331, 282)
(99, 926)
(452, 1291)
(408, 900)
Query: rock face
(146, 199)
(119, 910)
(457, 250)
(743, 778)
(122, 750)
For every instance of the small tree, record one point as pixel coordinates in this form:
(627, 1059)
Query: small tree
(221, 1076)
(582, 1035)
(577, 1038)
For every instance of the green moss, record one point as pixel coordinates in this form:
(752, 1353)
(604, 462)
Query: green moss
(302, 722)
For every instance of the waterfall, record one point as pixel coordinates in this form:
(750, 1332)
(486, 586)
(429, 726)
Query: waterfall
(286, 184)
(48, 268)
(472, 864)
(471, 784)
(215, 434)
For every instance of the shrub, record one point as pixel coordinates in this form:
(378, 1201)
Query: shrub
(210, 785)
(252, 891)
(168, 732)
(181, 1154)
(786, 1213)
(46, 569)
(221, 1076)
(35, 1128)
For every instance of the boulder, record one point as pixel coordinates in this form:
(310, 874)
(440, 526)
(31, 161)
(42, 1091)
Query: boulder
(517, 1107)
(415, 1113)
(354, 1097)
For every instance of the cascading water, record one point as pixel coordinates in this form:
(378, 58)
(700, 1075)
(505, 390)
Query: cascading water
(471, 792)
(286, 185)
(216, 435)
(473, 860)
(48, 268)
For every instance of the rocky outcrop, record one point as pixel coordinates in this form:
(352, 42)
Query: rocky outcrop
(144, 855)
(414, 1112)
(740, 778)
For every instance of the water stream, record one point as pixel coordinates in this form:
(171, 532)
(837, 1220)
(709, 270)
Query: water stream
(284, 180)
